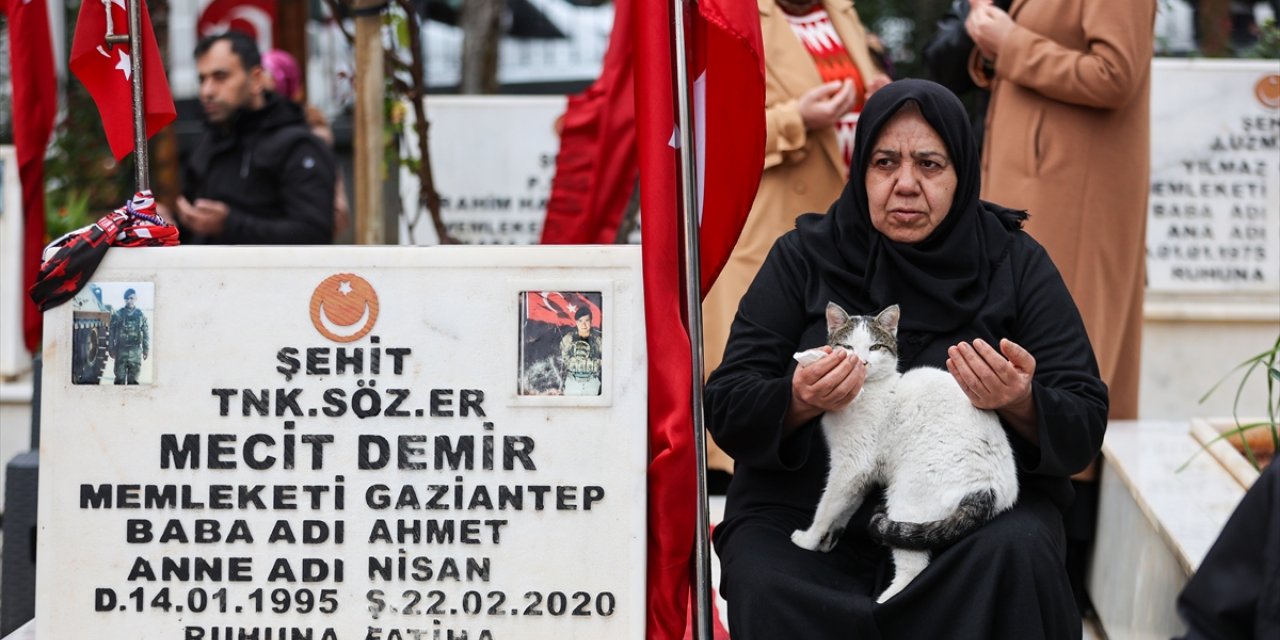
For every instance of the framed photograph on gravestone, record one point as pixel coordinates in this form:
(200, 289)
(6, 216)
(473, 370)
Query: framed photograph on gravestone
(112, 324)
(561, 343)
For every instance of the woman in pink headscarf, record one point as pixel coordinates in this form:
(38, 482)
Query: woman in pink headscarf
(284, 77)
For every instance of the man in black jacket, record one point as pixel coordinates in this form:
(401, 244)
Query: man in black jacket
(258, 175)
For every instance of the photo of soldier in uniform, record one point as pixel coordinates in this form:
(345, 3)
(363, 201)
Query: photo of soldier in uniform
(561, 343)
(580, 353)
(111, 333)
(130, 339)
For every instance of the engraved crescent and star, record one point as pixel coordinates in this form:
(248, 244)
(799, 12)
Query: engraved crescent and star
(344, 307)
(1267, 91)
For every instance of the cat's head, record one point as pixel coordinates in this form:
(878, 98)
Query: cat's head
(872, 338)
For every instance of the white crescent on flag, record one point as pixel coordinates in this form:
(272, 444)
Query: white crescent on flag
(258, 19)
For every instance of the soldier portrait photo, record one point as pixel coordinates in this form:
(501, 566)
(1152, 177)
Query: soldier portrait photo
(561, 343)
(111, 334)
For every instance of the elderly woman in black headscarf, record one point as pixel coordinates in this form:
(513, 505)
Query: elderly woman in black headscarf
(980, 298)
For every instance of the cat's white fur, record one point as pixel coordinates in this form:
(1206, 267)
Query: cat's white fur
(917, 434)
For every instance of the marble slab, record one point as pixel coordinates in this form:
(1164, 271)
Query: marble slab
(347, 443)
(1189, 507)
(1155, 524)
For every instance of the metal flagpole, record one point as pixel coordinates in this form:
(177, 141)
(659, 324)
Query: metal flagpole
(141, 160)
(693, 299)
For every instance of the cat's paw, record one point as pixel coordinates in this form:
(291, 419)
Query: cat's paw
(812, 540)
(805, 539)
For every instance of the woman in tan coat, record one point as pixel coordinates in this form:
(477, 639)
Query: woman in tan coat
(1068, 139)
(805, 167)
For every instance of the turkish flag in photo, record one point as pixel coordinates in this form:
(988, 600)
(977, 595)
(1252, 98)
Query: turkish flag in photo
(106, 71)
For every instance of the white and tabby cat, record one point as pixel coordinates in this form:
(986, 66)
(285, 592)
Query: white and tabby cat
(946, 465)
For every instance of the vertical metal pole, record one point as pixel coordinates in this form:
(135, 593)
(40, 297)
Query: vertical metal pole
(693, 300)
(141, 159)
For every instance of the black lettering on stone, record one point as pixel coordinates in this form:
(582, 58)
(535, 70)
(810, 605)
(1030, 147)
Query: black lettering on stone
(461, 456)
(217, 451)
(356, 361)
(260, 402)
(393, 409)
(470, 400)
(517, 447)
(398, 354)
(288, 399)
(407, 451)
(224, 400)
(186, 457)
(286, 357)
(373, 452)
(441, 400)
(318, 361)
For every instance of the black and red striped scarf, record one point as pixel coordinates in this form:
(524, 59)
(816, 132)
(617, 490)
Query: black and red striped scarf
(70, 260)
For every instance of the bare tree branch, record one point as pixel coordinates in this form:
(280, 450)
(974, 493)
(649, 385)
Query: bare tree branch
(408, 82)
(427, 195)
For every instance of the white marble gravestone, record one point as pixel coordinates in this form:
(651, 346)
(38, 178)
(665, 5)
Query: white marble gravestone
(1214, 207)
(14, 359)
(493, 161)
(351, 443)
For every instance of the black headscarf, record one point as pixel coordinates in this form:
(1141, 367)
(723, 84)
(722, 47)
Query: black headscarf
(941, 281)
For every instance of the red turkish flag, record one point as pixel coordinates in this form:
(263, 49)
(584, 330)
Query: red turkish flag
(35, 103)
(106, 73)
(727, 67)
(727, 63)
(630, 113)
(596, 167)
(557, 308)
(597, 163)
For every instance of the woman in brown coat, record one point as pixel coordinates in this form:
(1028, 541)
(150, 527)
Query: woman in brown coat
(1068, 139)
(804, 165)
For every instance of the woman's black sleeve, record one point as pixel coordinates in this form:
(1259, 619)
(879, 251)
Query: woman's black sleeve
(748, 395)
(1070, 397)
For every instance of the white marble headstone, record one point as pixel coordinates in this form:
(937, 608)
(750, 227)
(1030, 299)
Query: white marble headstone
(345, 443)
(1214, 208)
(14, 359)
(490, 193)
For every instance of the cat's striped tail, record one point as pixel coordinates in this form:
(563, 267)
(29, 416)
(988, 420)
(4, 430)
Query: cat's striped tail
(974, 510)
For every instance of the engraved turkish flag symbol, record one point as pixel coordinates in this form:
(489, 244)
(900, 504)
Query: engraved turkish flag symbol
(1268, 91)
(344, 307)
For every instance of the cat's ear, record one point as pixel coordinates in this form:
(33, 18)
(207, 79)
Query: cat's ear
(836, 316)
(889, 319)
